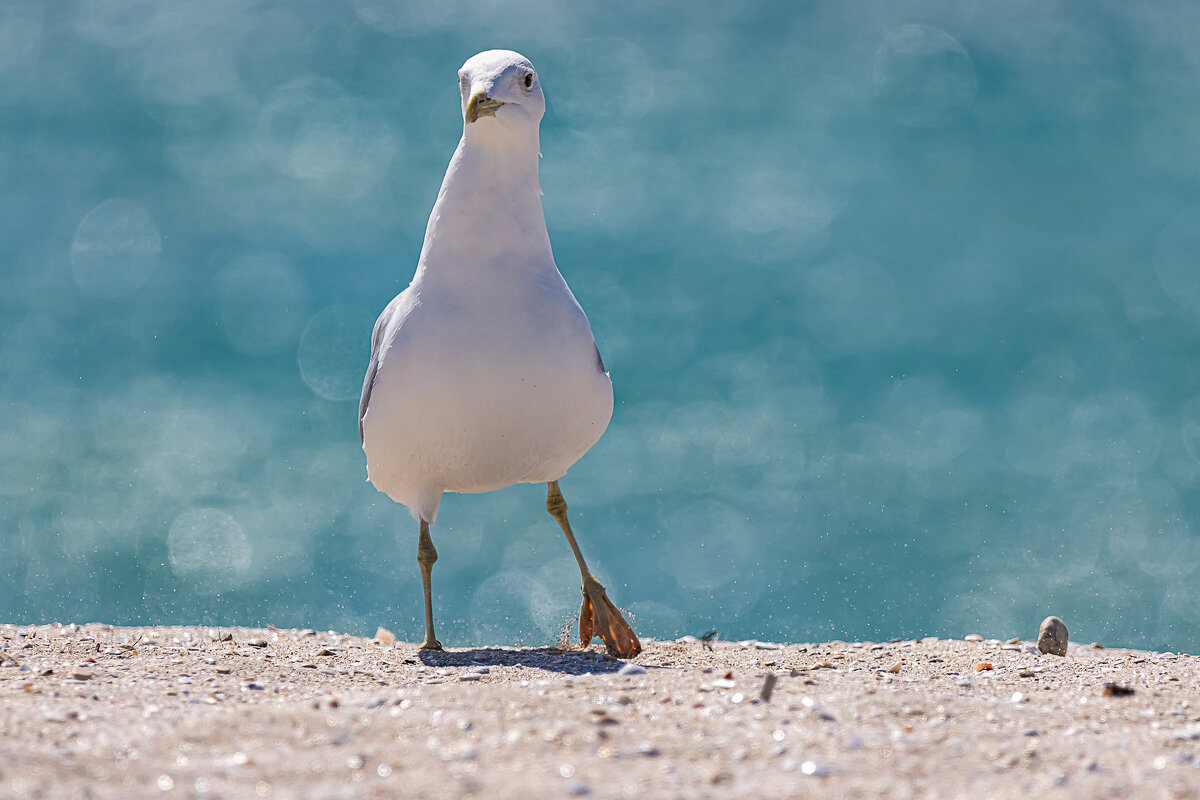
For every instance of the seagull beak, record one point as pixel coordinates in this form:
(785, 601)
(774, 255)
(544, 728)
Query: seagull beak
(480, 105)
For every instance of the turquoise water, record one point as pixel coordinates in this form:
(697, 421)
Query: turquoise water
(901, 302)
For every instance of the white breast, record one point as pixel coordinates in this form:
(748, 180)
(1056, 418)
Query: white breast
(475, 393)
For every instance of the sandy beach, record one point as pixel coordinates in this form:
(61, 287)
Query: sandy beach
(95, 711)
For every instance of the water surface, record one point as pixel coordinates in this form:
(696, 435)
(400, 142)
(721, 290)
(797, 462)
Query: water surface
(901, 302)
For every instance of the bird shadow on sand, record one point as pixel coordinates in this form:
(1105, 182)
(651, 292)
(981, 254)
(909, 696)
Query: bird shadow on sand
(571, 662)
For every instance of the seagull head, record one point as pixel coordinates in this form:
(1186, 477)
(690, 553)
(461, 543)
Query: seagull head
(500, 87)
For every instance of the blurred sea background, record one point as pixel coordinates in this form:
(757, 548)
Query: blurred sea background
(901, 301)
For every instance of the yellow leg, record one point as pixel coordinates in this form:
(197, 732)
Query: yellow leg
(426, 556)
(598, 615)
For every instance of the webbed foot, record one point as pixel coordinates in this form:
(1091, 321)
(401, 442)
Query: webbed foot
(599, 617)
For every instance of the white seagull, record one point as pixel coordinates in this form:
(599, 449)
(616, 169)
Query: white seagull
(484, 371)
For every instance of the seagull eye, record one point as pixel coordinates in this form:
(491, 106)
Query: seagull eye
(528, 80)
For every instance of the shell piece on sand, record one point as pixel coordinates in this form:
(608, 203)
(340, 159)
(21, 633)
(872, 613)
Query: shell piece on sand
(1052, 637)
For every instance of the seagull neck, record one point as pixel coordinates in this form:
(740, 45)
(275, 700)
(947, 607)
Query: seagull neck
(489, 206)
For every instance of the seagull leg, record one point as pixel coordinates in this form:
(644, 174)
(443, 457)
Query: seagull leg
(597, 616)
(426, 555)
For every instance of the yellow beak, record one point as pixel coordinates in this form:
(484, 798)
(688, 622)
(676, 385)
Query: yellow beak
(480, 105)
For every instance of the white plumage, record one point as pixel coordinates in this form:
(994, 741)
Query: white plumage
(484, 372)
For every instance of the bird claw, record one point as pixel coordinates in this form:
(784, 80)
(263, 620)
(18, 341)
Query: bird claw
(599, 617)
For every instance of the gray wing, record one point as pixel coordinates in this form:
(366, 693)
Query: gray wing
(373, 367)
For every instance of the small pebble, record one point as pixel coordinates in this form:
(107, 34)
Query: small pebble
(81, 674)
(982, 666)
(814, 769)
(1116, 690)
(768, 687)
(1052, 637)
(384, 636)
(723, 683)
(470, 676)
(972, 637)
(894, 668)
(632, 669)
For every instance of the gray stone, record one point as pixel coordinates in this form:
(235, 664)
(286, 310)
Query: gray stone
(1052, 637)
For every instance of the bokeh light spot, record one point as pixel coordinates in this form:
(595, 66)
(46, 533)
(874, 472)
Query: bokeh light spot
(333, 351)
(263, 303)
(924, 76)
(209, 547)
(779, 214)
(312, 130)
(116, 248)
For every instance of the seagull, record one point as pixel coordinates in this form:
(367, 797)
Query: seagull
(484, 372)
